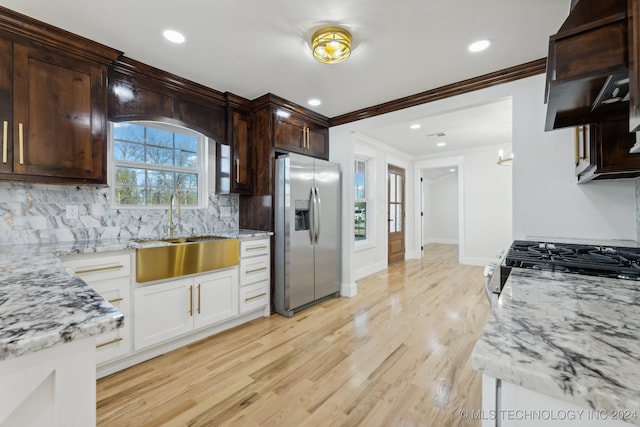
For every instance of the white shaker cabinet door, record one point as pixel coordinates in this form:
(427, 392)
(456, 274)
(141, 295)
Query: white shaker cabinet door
(215, 297)
(163, 311)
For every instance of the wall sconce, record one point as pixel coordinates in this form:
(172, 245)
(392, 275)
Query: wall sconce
(331, 45)
(504, 161)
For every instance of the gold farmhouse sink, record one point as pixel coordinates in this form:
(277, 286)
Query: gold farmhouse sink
(185, 255)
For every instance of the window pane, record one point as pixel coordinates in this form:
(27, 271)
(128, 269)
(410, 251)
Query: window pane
(398, 217)
(187, 142)
(160, 179)
(188, 197)
(392, 219)
(392, 188)
(128, 151)
(186, 159)
(186, 181)
(159, 137)
(399, 188)
(359, 180)
(360, 221)
(128, 132)
(159, 156)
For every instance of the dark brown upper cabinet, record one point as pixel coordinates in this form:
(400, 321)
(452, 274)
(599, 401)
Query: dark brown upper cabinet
(588, 65)
(602, 151)
(53, 91)
(140, 92)
(300, 135)
(234, 172)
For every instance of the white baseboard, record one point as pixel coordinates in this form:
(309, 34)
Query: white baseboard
(370, 269)
(437, 240)
(348, 290)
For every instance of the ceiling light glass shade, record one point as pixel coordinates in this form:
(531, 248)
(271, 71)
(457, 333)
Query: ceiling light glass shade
(174, 36)
(331, 45)
(479, 46)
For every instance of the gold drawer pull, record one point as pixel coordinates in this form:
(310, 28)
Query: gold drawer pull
(253, 248)
(191, 300)
(237, 171)
(255, 297)
(21, 142)
(113, 341)
(4, 141)
(93, 270)
(112, 301)
(255, 270)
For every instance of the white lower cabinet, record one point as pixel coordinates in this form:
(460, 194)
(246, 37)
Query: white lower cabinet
(508, 405)
(173, 308)
(109, 275)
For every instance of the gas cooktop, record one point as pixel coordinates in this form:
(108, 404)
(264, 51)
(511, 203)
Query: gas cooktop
(603, 261)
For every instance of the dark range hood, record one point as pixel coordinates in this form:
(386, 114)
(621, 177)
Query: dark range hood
(588, 66)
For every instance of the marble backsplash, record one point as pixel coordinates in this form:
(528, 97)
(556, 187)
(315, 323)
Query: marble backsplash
(34, 213)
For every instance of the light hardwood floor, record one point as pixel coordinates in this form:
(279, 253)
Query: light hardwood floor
(397, 354)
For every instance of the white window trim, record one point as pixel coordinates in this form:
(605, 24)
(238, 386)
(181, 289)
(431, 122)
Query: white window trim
(369, 242)
(205, 169)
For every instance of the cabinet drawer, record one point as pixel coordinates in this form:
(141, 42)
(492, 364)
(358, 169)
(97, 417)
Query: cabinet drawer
(112, 345)
(254, 296)
(250, 248)
(100, 268)
(255, 269)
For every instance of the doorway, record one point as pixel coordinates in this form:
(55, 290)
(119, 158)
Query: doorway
(395, 214)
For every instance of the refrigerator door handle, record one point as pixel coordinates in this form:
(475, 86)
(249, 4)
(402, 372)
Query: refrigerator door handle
(312, 209)
(317, 214)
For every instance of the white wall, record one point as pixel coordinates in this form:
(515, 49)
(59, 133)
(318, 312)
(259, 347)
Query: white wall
(441, 210)
(546, 199)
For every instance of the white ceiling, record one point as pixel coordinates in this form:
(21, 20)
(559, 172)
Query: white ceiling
(255, 47)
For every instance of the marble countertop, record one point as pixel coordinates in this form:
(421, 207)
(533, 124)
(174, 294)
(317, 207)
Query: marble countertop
(43, 304)
(572, 337)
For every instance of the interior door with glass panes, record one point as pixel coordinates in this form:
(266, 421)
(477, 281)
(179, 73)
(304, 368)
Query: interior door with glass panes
(395, 214)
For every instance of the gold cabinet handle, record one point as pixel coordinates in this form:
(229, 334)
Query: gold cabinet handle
(198, 298)
(304, 138)
(255, 248)
(255, 297)
(237, 171)
(255, 270)
(21, 142)
(191, 300)
(112, 301)
(576, 142)
(113, 341)
(93, 270)
(307, 133)
(5, 128)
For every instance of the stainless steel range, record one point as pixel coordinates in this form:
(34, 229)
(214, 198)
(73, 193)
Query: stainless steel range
(592, 260)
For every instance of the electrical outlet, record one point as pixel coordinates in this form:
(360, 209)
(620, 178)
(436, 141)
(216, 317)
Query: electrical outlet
(72, 212)
(225, 211)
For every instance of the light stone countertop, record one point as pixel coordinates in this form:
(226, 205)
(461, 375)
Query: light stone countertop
(43, 304)
(572, 337)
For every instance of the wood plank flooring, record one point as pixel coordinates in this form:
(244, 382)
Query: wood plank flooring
(397, 354)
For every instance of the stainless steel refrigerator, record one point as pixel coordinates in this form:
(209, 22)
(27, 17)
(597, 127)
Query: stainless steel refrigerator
(307, 232)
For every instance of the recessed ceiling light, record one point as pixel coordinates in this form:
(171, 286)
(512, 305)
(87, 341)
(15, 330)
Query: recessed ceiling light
(479, 45)
(441, 144)
(314, 102)
(452, 170)
(415, 126)
(174, 36)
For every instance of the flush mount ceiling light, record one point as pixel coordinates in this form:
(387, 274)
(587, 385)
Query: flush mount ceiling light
(441, 144)
(314, 102)
(331, 45)
(415, 126)
(174, 36)
(479, 45)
